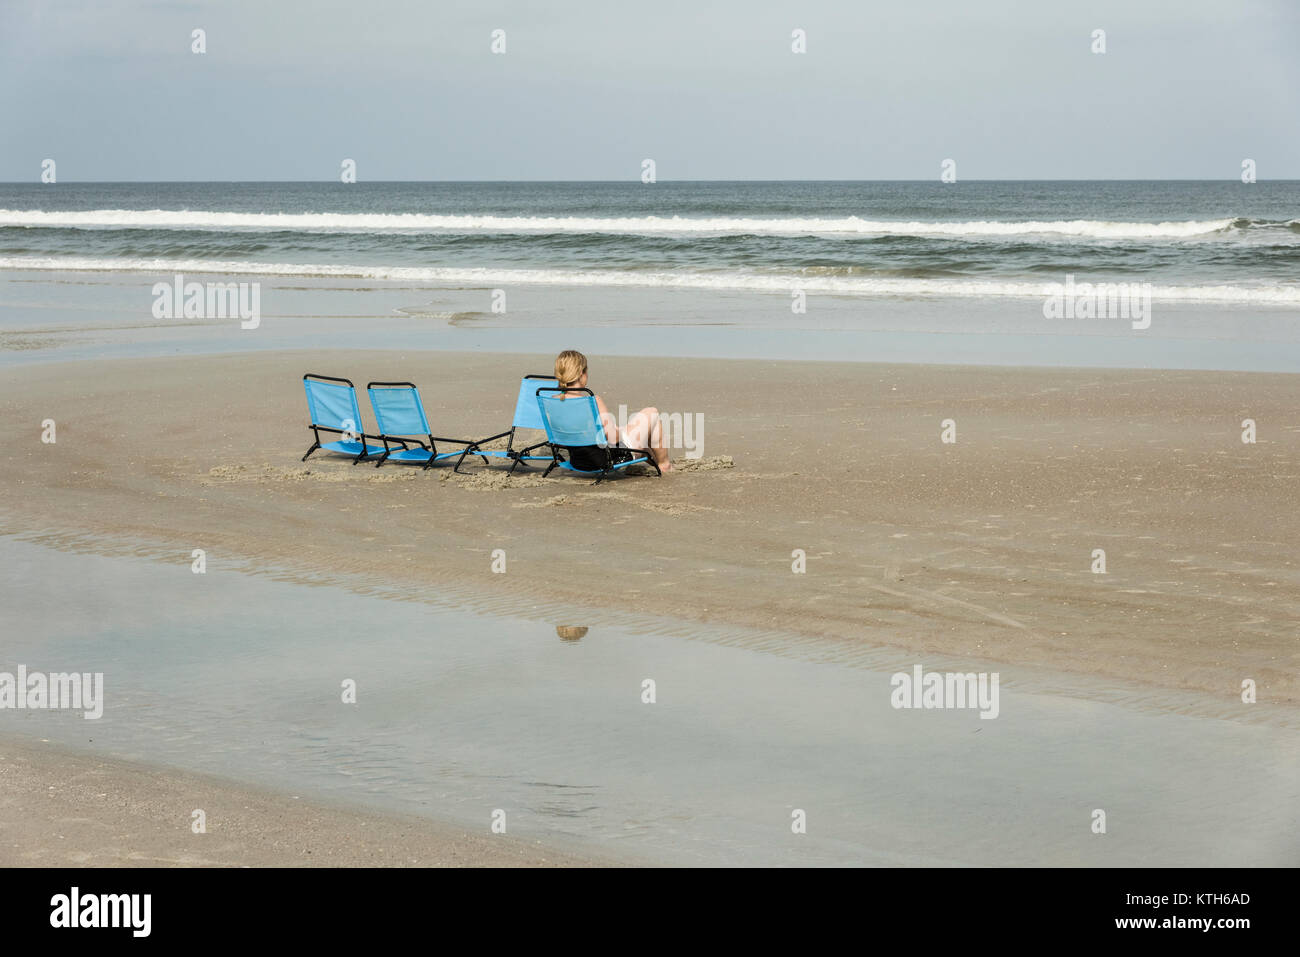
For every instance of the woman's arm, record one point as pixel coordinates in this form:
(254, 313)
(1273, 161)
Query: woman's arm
(608, 422)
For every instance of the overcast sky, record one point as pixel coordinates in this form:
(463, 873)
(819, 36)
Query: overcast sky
(589, 88)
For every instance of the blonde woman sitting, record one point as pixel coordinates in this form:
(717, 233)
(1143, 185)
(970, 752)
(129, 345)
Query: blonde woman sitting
(643, 429)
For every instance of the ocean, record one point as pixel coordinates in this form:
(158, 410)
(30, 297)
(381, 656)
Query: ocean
(1208, 242)
(858, 271)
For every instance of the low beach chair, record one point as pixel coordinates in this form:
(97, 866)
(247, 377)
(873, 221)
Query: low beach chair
(573, 427)
(332, 405)
(527, 416)
(400, 415)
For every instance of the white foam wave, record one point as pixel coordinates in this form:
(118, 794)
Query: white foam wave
(1272, 295)
(852, 226)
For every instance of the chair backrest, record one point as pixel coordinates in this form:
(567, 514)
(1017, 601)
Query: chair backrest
(398, 408)
(570, 417)
(527, 415)
(332, 403)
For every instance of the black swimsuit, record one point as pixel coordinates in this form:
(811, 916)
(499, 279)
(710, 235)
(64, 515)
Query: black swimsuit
(591, 458)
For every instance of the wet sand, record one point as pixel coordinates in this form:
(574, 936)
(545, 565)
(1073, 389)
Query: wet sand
(65, 808)
(462, 716)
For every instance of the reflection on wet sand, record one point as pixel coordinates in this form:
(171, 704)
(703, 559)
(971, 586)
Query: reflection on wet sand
(459, 712)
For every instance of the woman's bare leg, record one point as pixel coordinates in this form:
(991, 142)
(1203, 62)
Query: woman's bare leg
(645, 431)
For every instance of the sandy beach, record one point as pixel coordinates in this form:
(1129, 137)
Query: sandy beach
(978, 551)
(980, 548)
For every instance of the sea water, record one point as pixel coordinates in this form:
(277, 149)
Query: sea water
(909, 272)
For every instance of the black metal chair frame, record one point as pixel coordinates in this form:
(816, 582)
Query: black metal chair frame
(516, 455)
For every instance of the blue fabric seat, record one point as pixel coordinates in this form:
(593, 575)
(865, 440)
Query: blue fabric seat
(332, 406)
(571, 420)
(399, 412)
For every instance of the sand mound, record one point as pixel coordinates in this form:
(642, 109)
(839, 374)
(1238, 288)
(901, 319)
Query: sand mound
(548, 503)
(673, 508)
(711, 464)
(483, 480)
(496, 481)
(266, 473)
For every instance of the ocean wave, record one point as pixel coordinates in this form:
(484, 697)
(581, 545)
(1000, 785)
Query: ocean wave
(1272, 295)
(1077, 229)
(1290, 225)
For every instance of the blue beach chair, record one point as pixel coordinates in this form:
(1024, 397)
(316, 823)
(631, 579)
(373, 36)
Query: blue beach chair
(332, 405)
(400, 415)
(527, 416)
(573, 427)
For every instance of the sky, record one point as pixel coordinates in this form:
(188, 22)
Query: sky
(588, 89)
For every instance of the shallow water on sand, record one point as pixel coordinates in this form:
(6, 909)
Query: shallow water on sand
(53, 316)
(460, 713)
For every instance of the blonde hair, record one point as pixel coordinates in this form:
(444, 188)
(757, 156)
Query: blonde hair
(569, 367)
